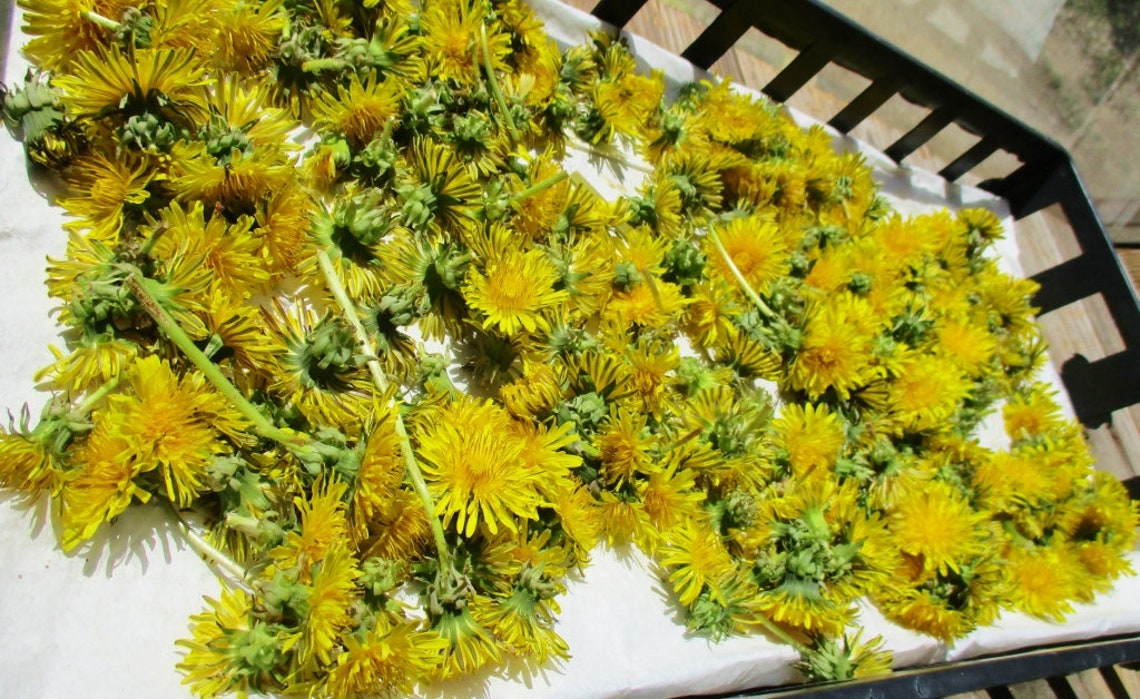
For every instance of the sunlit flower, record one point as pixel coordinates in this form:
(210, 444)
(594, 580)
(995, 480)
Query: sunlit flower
(395, 655)
(836, 350)
(474, 470)
(514, 289)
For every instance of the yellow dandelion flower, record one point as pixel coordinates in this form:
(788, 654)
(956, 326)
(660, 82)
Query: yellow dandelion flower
(578, 517)
(938, 526)
(968, 345)
(213, 663)
(535, 216)
(323, 527)
(756, 246)
(1043, 580)
(806, 604)
(173, 424)
(27, 464)
(831, 271)
(903, 243)
(379, 476)
(535, 393)
(650, 366)
(836, 349)
(928, 613)
(165, 82)
(926, 391)
(104, 487)
(401, 531)
(237, 184)
(391, 654)
(470, 645)
(832, 659)
(651, 304)
(670, 497)
(474, 470)
(247, 35)
(697, 558)
(515, 290)
(108, 190)
(61, 29)
(242, 345)
(1006, 299)
(709, 313)
(318, 373)
(812, 436)
(625, 446)
(359, 110)
(451, 41)
(90, 362)
(228, 252)
(626, 102)
(1030, 414)
(621, 518)
(330, 598)
(543, 452)
(282, 222)
(1006, 481)
(241, 115)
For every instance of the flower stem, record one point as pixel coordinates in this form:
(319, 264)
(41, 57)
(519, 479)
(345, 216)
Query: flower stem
(210, 552)
(411, 467)
(493, 81)
(105, 22)
(99, 394)
(744, 285)
(136, 283)
(316, 65)
(774, 629)
(538, 187)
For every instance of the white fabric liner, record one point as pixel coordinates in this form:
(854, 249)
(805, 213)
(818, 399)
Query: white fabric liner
(102, 621)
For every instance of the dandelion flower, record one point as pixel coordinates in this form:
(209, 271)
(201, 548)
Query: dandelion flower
(474, 472)
(836, 349)
(514, 290)
(938, 526)
(757, 249)
(390, 654)
(697, 558)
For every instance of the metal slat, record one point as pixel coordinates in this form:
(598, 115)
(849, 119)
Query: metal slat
(720, 35)
(863, 106)
(926, 129)
(802, 69)
(970, 159)
(617, 12)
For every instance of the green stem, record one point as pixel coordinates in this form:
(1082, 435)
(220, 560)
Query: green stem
(538, 187)
(152, 240)
(99, 394)
(210, 552)
(774, 629)
(493, 81)
(744, 285)
(261, 424)
(105, 22)
(316, 65)
(411, 467)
